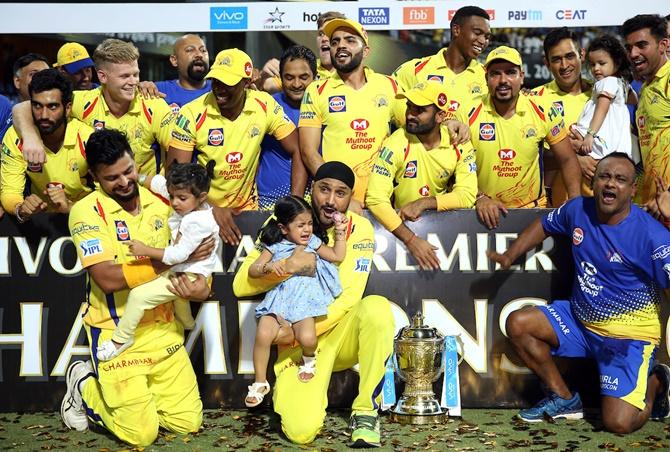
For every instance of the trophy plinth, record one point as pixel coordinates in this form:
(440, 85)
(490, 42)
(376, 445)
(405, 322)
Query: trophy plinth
(419, 352)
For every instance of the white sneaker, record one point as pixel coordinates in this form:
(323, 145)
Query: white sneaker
(107, 350)
(72, 408)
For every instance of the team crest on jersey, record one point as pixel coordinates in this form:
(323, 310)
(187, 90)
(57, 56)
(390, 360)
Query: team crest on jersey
(73, 165)
(254, 131)
(529, 132)
(577, 236)
(410, 170)
(435, 78)
(424, 191)
(157, 222)
(475, 88)
(381, 101)
(487, 131)
(337, 104)
(98, 125)
(215, 137)
(559, 106)
(122, 233)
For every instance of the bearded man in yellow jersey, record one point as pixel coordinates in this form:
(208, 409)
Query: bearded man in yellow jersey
(116, 104)
(568, 92)
(153, 384)
(414, 167)
(508, 130)
(456, 66)
(646, 41)
(227, 125)
(58, 183)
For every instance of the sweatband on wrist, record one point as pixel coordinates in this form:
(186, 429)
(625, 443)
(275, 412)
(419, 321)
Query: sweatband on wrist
(138, 272)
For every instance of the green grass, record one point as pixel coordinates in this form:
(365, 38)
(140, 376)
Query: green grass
(482, 429)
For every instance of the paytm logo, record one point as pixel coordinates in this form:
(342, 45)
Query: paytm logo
(531, 14)
(373, 16)
(228, 18)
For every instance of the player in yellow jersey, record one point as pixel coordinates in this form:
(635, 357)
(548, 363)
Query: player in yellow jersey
(227, 125)
(456, 66)
(414, 167)
(646, 41)
(56, 184)
(354, 331)
(507, 132)
(153, 383)
(115, 105)
(568, 92)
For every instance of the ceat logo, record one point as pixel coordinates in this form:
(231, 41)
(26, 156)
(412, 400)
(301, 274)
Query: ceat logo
(418, 15)
(234, 157)
(424, 191)
(507, 154)
(359, 124)
(215, 137)
(490, 12)
(577, 236)
(487, 131)
(640, 122)
(248, 68)
(410, 170)
(337, 103)
(441, 100)
(122, 233)
(570, 14)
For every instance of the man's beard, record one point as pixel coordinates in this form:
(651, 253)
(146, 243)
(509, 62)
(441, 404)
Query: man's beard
(53, 126)
(349, 67)
(196, 74)
(129, 197)
(420, 129)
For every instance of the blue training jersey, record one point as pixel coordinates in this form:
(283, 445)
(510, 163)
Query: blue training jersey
(176, 96)
(273, 179)
(619, 270)
(5, 115)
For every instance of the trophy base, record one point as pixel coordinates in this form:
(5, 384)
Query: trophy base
(419, 419)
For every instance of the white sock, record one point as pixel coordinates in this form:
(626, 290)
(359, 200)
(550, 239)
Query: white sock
(308, 359)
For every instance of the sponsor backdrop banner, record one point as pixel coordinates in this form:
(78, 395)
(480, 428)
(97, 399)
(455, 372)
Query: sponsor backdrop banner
(261, 16)
(42, 286)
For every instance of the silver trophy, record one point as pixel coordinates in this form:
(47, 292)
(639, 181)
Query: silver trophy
(419, 351)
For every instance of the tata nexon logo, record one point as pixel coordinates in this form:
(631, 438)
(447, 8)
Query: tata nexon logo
(228, 18)
(359, 124)
(571, 14)
(373, 16)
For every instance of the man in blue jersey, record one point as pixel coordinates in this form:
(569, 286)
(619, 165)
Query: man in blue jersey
(613, 313)
(297, 68)
(5, 122)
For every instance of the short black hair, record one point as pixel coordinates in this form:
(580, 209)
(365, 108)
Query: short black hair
(557, 35)
(106, 147)
(466, 12)
(285, 211)
(298, 52)
(613, 47)
(620, 155)
(25, 60)
(192, 176)
(49, 79)
(656, 24)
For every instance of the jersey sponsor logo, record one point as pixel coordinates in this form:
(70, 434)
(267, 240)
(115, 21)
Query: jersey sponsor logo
(640, 122)
(410, 170)
(359, 124)
(364, 245)
(215, 137)
(122, 233)
(182, 122)
(424, 191)
(589, 268)
(577, 236)
(373, 16)
(234, 157)
(587, 279)
(558, 105)
(248, 68)
(441, 100)
(181, 137)
(386, 154)
(82, 228)
(382, 171)
(453, 105)
(337, 104)
(564, 328)
(90, 247)
(615, 258)
(661, 252)
(609, 383)
(571, 14)
(506, 154)
(487, 131)
(307, 115)
(362, 265)
(555, 130)
(435, 78)
(472, 167)
(175, 108)
(98, 125)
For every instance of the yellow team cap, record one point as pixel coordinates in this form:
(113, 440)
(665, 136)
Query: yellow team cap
(426, 93)
(332, 25)
(503, 53)
(73, 57)
(230, 66)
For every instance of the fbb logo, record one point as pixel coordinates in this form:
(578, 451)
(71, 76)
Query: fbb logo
(507, 154)
(337, 104)
(359, 124)
(490, 12)
(215, 137)
(424, 191)
(122, 233)
(410, 170)
(418, 15)
(487, 131)
(577, 236)
(234, 157)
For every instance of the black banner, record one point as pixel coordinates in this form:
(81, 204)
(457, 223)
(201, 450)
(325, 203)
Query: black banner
(42, 291)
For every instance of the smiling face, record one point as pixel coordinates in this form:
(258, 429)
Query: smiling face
(602, 65)
(120, 79)
(299, 229)
(613, 188)
(564, 61)
(229, 98)
(347, 50)
(645, 52)
(295, 77)
(504, 80)
(472, 37)
(118, 180)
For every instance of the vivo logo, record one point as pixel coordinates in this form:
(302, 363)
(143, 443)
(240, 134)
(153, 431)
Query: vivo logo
(228, 18)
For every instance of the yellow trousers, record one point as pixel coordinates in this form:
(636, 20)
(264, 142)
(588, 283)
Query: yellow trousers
(149, 385)
(364, 336)
(147, 296)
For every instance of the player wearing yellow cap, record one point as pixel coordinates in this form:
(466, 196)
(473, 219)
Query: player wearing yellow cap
(227, 125)
(414, 167)
(75, 63)
(507, 132)
(56, 184)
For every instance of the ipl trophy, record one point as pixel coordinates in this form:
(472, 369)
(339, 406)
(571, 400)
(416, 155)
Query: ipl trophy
(419, 361)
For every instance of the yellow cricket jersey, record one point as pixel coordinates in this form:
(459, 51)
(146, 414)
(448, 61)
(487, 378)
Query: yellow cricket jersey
(67, 167)
(235, 146)
(653, 124)
(463, 89)
(353, 271)
(406, 171)
(147, 121)
(99, 227)
(354, 122)
(509, 150)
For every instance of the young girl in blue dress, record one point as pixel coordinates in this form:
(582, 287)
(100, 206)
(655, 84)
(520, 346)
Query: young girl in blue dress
(299, 298)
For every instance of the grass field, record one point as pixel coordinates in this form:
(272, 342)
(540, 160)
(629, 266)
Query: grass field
(481, 429)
